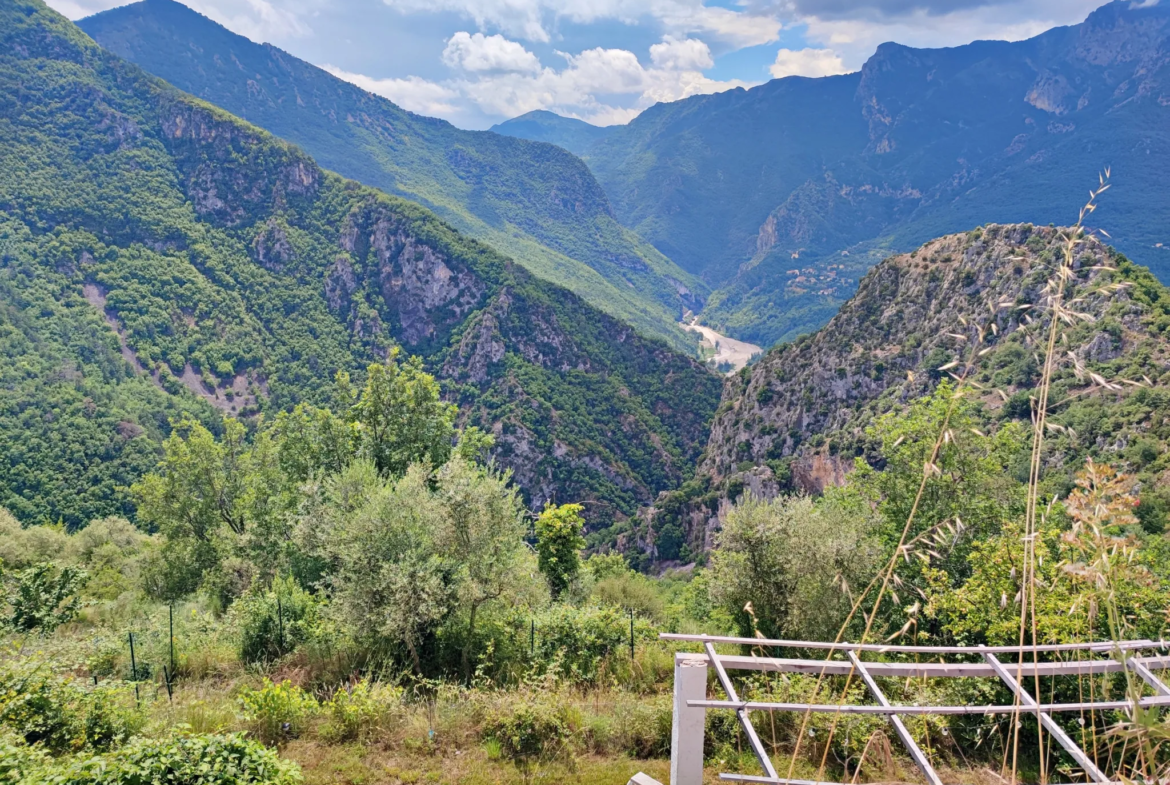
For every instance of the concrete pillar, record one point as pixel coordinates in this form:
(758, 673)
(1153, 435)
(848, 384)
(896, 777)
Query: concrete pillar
(686, 737)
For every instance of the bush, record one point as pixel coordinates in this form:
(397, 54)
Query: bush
(18, 761)
(58, 715)
(277, 712)
(43, 597)
(637, 727)
(229, 759)
(357, 713)
(632, 592)
(579, 639)
(531, 733)
(272, 624)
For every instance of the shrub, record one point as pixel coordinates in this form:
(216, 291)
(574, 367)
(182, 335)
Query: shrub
(531, 733)
(277, 712)
(109, 719)
(229, 759)
(56, 714)
(40, 708)
(634, 726)
(356, 713)
(579, 639)
(272, 624)
(631, 591)
(18, 761)
(44, 597)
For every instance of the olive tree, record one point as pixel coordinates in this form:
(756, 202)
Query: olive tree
(785, 567)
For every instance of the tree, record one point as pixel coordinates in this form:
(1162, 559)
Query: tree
(389, 580)
(483, 535)
(225, 506)
(558, 545)
(215, 500)
(971, 489)
(401, 418)
(796, 561)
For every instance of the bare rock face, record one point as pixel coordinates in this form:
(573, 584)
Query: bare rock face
(482, 344)
(272, 248)
(206, 144)
(426, 294)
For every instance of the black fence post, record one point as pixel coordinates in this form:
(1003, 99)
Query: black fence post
(631, 636)
(279, 626)
(171, 611)
(134, 669)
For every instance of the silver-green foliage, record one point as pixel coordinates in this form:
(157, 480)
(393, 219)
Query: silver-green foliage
(793, 560)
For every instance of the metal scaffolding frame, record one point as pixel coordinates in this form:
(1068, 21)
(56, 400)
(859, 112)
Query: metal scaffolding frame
(691, 702)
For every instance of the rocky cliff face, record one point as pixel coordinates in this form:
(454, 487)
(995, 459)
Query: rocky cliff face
(797, 419)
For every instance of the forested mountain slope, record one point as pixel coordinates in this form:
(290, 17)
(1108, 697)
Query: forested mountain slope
(158, 255)
(783, 195)
(798, 418)
(529, 200)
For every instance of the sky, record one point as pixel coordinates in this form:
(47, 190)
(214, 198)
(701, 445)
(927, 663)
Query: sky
(479, 62)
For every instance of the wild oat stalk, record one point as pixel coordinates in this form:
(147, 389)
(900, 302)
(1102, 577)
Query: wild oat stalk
(1062, 311)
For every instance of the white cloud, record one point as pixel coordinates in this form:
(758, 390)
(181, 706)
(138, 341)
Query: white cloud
(690, 54)
(854, 37)
(259, 20)
(534, 20)
(487, 54)
(807, 62)
(412, 93)
(603, 86)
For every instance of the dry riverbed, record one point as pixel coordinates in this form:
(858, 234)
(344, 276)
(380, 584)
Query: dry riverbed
(726, 351)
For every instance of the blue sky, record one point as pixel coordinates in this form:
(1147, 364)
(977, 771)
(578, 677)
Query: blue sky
(477, 62)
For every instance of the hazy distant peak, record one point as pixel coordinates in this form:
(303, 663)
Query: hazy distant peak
(541, 125)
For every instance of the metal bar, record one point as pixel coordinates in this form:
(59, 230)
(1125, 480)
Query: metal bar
(930, 670)
(753, 778)
(1046, 720)
(899, 727)
(1103, 646)
(1148, 677)
(850, 708)
(744, 719)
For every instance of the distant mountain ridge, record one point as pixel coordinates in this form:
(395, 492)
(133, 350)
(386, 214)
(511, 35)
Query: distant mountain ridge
(782, 196)
(160, 257)
(529, 200)
(576, 136)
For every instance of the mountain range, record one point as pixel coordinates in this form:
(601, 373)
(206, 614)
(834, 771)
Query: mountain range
(796, 420)
(781, 196)
(162, 258)
(530, 201)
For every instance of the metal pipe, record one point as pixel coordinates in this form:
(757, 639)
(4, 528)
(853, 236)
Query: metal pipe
(1102, 646)
(744, 719)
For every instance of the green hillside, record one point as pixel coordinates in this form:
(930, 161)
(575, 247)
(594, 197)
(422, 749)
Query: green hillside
(531, 201)
(160, 256)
